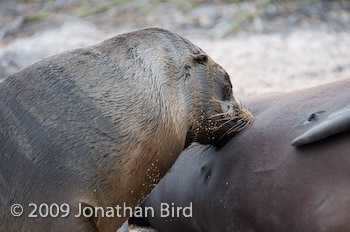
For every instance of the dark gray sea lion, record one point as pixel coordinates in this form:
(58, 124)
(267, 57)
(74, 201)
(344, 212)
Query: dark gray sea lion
(100, 126)
(258, 181)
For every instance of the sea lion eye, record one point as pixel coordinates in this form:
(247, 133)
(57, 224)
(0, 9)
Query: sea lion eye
(201, 58)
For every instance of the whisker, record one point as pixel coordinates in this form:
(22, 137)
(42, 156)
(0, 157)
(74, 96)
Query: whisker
(230, 130)
(223, 124)
(222, 119)
(233, 129)
(236, 128)
(223, 134)
(242, 119)
(219, 114)
(230, 120)
(240, 103)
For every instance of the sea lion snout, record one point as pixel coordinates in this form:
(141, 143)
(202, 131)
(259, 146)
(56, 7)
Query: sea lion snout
(232, 120)
(215, 114)
(228, 107)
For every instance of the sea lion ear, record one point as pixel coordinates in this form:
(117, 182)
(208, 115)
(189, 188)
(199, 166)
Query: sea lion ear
(201, 58)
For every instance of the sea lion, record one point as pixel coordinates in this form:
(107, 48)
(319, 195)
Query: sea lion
(100, 126)
(258, 181)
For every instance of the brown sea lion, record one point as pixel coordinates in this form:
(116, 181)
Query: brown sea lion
(260, 182)
(100, 126)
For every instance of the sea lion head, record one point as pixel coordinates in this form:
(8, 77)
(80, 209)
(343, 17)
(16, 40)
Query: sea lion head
(216, 114)
(203, 87)
(177, 86)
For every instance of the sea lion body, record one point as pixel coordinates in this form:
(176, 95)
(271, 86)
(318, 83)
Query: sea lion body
(258, 181)
(101, 125)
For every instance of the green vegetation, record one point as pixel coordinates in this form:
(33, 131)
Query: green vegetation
(140, 8)
(243, 16)
(35, 16)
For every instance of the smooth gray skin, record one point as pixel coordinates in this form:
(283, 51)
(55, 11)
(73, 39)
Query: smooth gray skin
(337, 122)
(102, 125)
(259, 181)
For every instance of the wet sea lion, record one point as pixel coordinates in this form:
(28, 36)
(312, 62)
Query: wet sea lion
(100, 126)
(260, 182)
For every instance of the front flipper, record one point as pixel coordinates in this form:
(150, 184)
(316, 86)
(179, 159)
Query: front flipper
(336, 122)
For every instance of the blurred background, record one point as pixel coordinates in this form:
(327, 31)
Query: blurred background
(265, 45)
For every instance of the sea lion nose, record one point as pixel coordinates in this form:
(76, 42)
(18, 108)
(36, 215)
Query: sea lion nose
(246, 115)
(229, 107)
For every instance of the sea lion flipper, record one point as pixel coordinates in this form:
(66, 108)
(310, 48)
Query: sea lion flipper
(336, 122)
